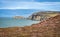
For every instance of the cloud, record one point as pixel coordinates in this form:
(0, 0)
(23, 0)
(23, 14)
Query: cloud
(17, 0)
(30, 5)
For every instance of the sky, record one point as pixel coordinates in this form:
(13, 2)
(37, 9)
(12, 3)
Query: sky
(10, 8)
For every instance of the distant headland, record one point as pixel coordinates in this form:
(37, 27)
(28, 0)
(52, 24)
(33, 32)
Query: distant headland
(18, 17)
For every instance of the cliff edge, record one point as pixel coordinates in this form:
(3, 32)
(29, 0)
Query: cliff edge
(43, 15)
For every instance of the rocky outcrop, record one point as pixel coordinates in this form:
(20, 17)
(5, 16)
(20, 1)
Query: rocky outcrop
(46, 28)
(43, 15)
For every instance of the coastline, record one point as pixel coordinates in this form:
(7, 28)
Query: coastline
(47, 28)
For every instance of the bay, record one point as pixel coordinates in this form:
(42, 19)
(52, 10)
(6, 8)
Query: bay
(12, 22)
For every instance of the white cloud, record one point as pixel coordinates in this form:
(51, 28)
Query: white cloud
(31, 5)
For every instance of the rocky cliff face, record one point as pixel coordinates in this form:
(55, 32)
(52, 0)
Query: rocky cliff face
(43, 15)
(46, 28)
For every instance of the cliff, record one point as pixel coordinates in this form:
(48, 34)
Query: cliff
(46, 28)
(43, 15)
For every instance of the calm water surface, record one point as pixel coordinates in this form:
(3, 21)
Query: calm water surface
(11, 22)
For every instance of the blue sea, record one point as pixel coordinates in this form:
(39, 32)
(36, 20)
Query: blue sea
(12, 22)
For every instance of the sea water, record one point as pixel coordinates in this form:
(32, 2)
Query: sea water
(12, 22)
